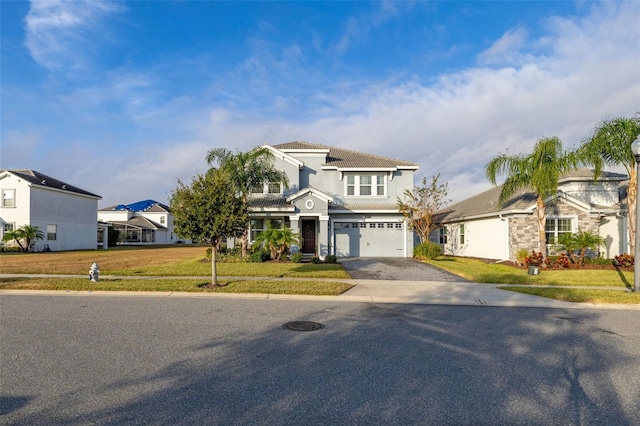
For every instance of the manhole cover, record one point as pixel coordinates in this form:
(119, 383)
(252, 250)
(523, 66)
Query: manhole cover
(303, 326)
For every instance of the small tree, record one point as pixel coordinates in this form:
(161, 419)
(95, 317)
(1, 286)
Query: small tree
(209, 210)
(277, 240)
(580, 241)
(27, 233)
(421, 203)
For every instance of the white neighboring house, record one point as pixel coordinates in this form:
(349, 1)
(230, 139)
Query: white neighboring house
(143, 222)
(64, 213)
(480, 227)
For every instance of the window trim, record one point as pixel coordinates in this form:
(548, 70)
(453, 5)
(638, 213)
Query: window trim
(12, 191)
(573, 225)
(353, 186)
(52, 236)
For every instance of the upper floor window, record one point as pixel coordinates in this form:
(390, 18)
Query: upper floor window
(366, 185)
(267, 188)
(163, 220)
(8, 198)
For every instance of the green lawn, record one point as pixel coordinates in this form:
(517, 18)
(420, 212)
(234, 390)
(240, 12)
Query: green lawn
(199, 268)
(318, 288)
(478, 271)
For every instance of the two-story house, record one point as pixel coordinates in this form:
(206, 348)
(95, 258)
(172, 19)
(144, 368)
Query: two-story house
(340, 201)
(64, 213)
(143, 222)
(480, 227)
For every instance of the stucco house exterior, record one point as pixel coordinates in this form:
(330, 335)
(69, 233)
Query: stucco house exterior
(341, 202)
(64, 213)
(480, 227)
(144, 222)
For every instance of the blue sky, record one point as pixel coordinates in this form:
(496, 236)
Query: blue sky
(124, 98)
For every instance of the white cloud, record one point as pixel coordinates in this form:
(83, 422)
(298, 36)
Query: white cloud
(505, 50)
(59, 32)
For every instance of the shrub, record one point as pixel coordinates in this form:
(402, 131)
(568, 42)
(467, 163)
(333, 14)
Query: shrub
(534, 259)
(624, 260)
(257, 257)
(315, 259)
(597, 261)
(561, 261)
(427, 250)
(296, 257)
(522, 255)
(330, 259)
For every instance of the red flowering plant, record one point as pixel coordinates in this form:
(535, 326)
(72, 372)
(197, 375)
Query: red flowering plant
(624, 260)
(534, 259)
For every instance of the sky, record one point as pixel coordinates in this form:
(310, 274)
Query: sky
(125, 98)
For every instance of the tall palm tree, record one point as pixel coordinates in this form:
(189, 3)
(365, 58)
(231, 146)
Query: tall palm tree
(539, 171)
(247, 170)
(611, 144)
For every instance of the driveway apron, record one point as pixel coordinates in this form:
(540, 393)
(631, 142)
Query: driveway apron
(396, 269)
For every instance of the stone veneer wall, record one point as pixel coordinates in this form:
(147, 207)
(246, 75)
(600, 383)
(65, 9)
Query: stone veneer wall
(523, 230)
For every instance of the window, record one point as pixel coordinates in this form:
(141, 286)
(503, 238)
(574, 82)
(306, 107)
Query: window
(8, 227)
(461, 229)
(274, 188)
(8, 198)
(256, 226)
(267, 188)
(554, 227)
(443, 235)
(163, 220)
(52, 232)
(366, 185)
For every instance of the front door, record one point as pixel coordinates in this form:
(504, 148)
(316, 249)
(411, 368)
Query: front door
(309, 236)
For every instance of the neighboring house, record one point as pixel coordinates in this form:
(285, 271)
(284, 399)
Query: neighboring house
(64, 213)
(142, 222)
(479, 227)
(341, 202)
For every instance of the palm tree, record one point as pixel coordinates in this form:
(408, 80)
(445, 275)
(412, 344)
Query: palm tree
(247, 170)
(539, 171)
(27, 233)
(580, 241)
(277, 240)
(611, 144)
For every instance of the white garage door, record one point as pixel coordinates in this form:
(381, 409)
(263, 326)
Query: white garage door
(370, 239)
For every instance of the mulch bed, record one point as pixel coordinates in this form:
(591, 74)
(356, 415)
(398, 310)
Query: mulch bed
(610, 267)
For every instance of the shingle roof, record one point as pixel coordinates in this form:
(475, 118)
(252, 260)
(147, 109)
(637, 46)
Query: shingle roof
(40, 179)
(486, 202)
(270, 203)
(344, 158)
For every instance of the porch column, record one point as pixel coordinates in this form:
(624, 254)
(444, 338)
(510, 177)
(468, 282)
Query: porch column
(295, 228)
(323, 240)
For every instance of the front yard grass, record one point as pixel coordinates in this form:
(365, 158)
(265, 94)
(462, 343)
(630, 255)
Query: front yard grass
(492, 273)
(316, 288)
(182, 261)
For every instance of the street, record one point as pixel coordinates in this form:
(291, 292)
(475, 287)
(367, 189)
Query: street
(79, 360)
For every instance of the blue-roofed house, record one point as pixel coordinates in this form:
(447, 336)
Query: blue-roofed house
(142, 222)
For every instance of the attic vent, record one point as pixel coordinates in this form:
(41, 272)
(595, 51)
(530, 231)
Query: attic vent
(43, 181)
(64, 186)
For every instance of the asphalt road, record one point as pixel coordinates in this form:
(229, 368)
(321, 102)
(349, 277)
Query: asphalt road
(78, 360)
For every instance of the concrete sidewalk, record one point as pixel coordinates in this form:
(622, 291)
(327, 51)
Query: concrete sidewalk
(370, 291)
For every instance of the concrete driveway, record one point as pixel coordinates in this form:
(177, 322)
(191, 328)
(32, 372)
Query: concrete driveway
(395, 269)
